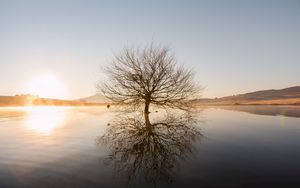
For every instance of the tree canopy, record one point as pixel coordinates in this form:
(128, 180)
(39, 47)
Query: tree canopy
(149, 75)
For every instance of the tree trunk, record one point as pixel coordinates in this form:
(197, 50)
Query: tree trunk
(146, 113)
(147, 104)
(147, 120)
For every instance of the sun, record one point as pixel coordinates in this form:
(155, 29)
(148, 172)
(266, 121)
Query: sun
(46, 86)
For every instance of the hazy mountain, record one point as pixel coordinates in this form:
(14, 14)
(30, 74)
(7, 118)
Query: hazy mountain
(97, 98)
(291, 92)
(289, 95)
(31, 100)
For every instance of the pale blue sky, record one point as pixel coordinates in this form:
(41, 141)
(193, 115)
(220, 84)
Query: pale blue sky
(233, 46)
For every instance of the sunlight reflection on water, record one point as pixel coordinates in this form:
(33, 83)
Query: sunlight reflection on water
(44, 119)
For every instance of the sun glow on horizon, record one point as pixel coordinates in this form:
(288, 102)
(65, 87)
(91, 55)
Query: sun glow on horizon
(46, 86)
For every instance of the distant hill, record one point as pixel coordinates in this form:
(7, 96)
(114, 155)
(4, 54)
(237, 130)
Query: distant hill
(97, 98)
(29, 100)
(289, 95)
(291, 92)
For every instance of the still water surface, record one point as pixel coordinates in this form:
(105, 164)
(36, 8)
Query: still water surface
(254, 146)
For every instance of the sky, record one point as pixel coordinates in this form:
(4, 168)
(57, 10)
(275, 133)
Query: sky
(233, 46)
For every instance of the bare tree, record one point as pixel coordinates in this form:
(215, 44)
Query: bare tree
(149, 75)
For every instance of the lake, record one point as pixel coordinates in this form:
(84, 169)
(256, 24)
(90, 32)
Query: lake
(237, 146)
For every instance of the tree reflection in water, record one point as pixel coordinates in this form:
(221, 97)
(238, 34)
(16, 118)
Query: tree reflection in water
(147, 151)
